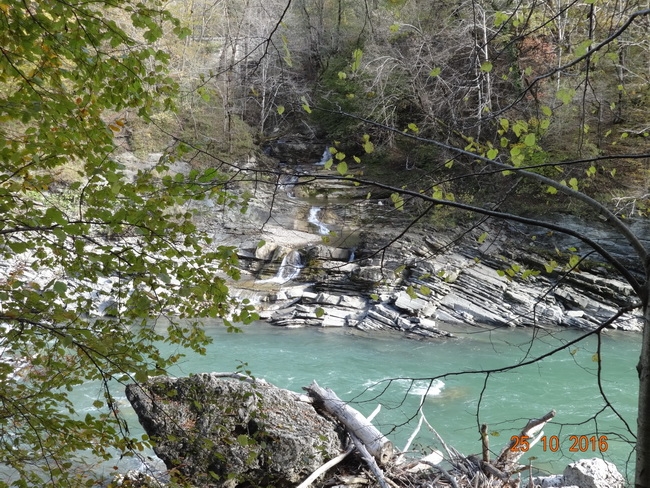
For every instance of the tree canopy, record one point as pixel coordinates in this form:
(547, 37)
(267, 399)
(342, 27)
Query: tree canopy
(71, 73)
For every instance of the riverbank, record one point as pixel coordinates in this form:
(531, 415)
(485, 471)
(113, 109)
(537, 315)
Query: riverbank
(384, 276)
(337, 256)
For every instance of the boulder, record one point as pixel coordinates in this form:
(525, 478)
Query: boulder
(593, 473)
(233, 431)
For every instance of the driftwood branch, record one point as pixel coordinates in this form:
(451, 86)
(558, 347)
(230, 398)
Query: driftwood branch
(369, 459)
(531, 433)
(333, 462)
(354, 422)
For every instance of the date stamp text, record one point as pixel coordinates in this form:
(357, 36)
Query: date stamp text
(578, 443)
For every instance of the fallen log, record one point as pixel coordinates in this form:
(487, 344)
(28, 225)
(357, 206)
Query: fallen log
(355, 423)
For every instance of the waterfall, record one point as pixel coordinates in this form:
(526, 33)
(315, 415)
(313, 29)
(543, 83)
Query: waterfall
(287, 184)
(289, 268)
(313, 219)
(327, 155)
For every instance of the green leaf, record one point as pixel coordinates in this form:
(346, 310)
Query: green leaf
(530, 140)
(342, 168)
(551, 189)
(411, 293)
(319, 312)
(492, 153)
(413, 128)
(398, 201)
(482, 237)
(565, 95)
(60, 287)
(573, 183)
(500, 18)
(356, 59)
(435, 72)
(486, 66)
(305, 105)
(582, 48)
(280, 109)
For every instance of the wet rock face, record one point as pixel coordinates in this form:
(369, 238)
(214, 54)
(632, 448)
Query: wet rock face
(227, 432)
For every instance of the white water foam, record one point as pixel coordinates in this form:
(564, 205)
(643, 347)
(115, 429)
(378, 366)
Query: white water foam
(289, 268)
(312, 218)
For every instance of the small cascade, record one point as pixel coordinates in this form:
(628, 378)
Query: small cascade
(289, 268)
(287, 184)
(327, 155)
(312, 218)
(352, 256)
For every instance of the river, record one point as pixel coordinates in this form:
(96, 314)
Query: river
(370, 369)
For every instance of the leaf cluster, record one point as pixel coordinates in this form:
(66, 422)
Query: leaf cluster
(90, 271)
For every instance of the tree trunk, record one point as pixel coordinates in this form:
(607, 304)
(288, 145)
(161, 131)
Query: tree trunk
(642, 475)
(375, 442)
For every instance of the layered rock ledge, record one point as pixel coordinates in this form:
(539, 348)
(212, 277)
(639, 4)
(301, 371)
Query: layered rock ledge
(423, 281)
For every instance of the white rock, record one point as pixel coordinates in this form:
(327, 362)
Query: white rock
(593, 473)
(353, 302)
(554, 481)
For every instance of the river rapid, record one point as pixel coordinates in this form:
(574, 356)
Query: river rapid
(387, 369)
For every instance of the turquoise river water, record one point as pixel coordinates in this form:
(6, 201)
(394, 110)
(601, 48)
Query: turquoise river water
(370, 369)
